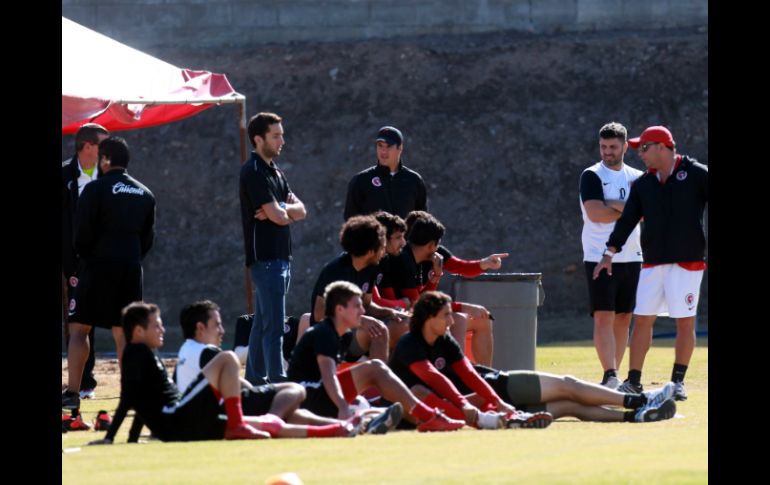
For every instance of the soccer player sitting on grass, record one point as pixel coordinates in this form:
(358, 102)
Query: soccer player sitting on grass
(428, 353)
(330, 391)
(202, 328)
(528, 391)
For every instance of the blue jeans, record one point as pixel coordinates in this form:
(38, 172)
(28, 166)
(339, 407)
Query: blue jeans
(271, 282)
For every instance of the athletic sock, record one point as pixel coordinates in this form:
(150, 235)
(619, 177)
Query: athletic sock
(629, 416)
(633, 401)
(433, 401)
(422, 412)
(677, 374)
(635, 377)
(607, 374)
(327, 431)
(234, 411)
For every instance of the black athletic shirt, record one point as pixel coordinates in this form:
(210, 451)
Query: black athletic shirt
(412, 347)
(376, 189)
(261, 184)
(341, 269)
(320, 339)
(146, 388)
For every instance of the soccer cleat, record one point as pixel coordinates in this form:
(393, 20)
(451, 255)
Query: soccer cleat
(522, 419)
(628, 388)
(680, 394)
(386, 421)
(648, 413)
(440, 422)
(70, 400)
(75, 423)
(245, 432)
(612, 383)
(103, 421)
(87, 394)
(656, 397)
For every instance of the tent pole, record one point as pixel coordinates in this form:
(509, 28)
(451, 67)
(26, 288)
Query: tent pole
(244, 157)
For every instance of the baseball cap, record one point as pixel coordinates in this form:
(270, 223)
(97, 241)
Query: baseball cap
(654, 134)
(390, 135)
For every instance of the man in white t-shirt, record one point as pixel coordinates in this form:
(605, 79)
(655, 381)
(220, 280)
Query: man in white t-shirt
(604, 189)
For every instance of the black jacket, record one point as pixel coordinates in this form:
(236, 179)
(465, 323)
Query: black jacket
(376, 189)
(115, 219)
(672, 231)
(69, 200)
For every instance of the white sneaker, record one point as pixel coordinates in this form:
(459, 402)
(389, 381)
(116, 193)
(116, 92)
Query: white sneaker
(612, 383)
(656, 397)
(87, 394)
(679, 393)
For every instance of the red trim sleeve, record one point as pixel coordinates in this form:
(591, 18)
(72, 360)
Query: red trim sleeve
(387, 302)
(411, 293)
(469, 269)
(472, 379)
(429, 286)
(437, 382)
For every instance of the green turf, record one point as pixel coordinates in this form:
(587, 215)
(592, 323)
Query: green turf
(674, 451)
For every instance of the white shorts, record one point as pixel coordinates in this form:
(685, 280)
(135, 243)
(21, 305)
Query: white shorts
(668, 289)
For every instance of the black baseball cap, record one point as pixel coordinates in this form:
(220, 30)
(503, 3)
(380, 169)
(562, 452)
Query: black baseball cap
(390, 135)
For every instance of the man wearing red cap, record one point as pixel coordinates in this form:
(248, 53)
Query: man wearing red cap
(671, 197)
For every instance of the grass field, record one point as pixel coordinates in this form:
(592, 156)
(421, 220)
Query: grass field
(569, 451)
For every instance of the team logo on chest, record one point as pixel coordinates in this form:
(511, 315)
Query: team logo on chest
(365, 287)
(377, 182)
(681, 175)
(379, 278)
(73, 281)
(440, 363)
(73, 304)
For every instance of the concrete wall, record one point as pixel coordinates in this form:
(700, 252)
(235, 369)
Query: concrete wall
(213, 23)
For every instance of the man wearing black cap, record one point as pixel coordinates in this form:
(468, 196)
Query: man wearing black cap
(389, 185)
(671, 197)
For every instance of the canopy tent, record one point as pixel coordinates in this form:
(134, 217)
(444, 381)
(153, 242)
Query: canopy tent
(121, 88)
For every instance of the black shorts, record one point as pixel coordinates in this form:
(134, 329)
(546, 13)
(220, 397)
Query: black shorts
(521, 389)
(102, 290)
(318, 401)
(196, 417)
(257, 401)
(616, 293)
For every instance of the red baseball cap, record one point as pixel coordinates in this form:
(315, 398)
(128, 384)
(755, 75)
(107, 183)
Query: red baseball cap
(654, 134)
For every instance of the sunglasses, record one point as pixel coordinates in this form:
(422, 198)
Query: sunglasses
(643, 148)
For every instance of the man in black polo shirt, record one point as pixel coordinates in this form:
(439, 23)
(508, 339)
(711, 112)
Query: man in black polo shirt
(363, 239)
(389, 185)
(268, 206)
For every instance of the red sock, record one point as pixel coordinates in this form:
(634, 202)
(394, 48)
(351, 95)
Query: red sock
(422, 412)
(216, 393)
(433, 401)
(327, 431)
(234, 411)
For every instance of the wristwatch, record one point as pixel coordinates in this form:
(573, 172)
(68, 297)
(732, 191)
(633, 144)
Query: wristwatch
(608, 252)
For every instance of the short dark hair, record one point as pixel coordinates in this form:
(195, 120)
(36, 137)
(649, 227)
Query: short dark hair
(411, 217)
(115, 149)
(427, 305)
(339, 293)
(136, 314)
(259, 124)
(199, 311)
(391, 222)
(424, 230)
(89, 133)
(361, 234)
(613, 129)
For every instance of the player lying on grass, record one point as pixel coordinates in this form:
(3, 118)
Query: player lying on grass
(146, 388)
(429, 355)
(331, 391)
(202, 328)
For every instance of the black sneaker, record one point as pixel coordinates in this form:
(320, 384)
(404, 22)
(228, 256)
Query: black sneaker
(629, 388)
(386, 421)
(70, 400)
(648, 413)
